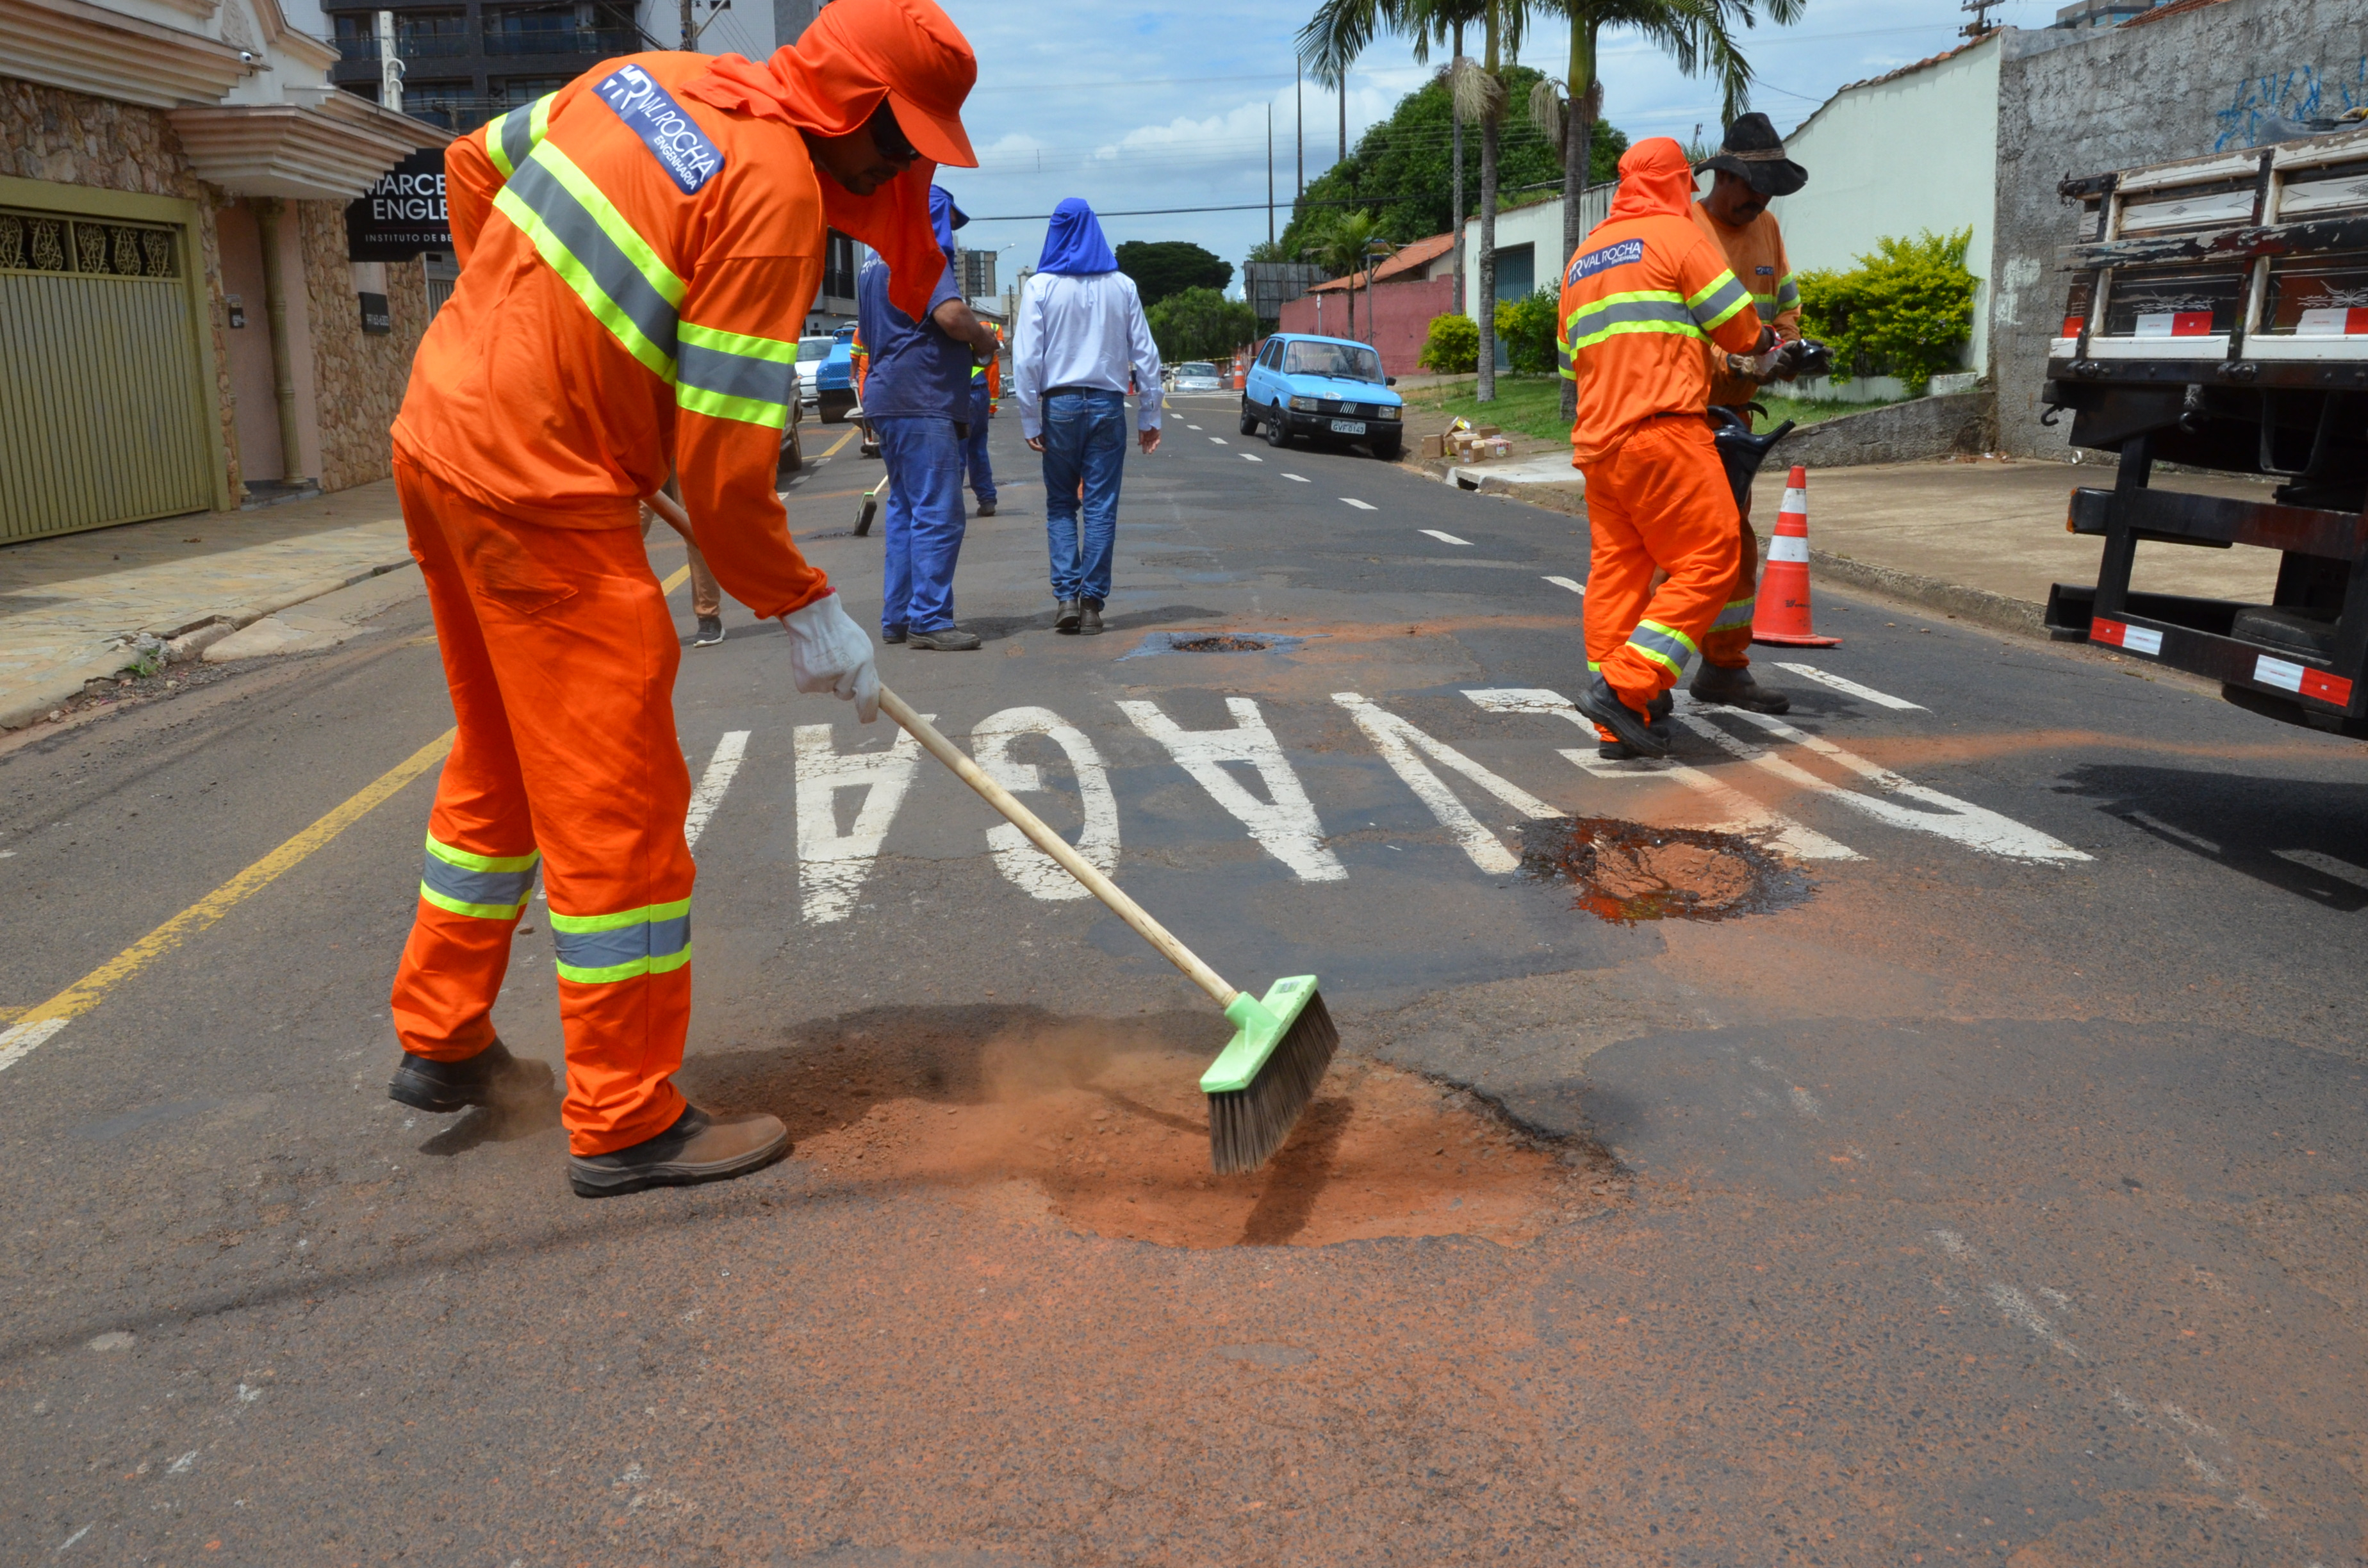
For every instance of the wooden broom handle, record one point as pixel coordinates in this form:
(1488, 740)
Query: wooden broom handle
(1020, 817)
(1053, 844)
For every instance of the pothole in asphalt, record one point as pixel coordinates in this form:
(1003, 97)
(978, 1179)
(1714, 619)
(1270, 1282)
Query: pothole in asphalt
(1220, 644)
(1626, 871)
(1102, 1129)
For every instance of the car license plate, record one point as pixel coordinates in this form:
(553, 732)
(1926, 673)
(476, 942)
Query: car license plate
(1348, 427)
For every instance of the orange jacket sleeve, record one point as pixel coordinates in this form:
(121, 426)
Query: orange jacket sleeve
(737, 352)
(1722, 307)
(470, 182)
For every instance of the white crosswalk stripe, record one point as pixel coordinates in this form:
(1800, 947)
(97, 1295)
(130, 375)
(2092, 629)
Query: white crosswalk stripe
(1442, 537)
(1361, 506)
(1880, 699)
(1576, 587)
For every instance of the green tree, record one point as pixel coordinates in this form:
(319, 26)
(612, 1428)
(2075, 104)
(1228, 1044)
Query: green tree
(1402, 170)
(1199, 323)
(1163, 267)
(1907, 308)
(1528, 328)
(1699, 35)
(1346, 247)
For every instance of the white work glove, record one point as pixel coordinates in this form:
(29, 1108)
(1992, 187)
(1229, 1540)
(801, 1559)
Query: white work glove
(830, 653)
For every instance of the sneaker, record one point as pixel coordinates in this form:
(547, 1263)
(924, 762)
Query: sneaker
(987, 507)
(1735, 688)
(492, 1077)
(1603, 704)
(893, 635)
(944, 639)
(1065, 619)
(697, 1148)
(711, 632)
(1089, 620)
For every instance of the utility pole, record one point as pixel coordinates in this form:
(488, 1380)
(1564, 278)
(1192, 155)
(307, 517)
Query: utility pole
(1344, 116)
(1269, 173)
(389, 64)
(690, 28)
(1981, 11)
(1299, 94)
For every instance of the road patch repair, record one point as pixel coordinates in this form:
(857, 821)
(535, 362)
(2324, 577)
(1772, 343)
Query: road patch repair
(1098, 1128)
(1626, 871)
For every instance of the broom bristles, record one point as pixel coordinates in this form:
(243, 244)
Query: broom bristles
(1247, 1125)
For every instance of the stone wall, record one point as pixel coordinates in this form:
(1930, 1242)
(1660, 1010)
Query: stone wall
(48, 134)
(358, 377)
(2080, 102)
(1900, 432)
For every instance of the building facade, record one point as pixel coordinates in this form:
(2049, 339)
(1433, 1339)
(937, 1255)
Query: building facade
(184, 329)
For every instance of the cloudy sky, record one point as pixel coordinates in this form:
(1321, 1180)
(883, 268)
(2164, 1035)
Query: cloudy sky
(1163, 106)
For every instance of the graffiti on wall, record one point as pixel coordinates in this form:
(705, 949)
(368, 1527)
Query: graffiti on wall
(2297, 92)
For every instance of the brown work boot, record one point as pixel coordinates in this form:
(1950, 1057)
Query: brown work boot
(493, 1077)
(1736, 688)
(697, 1148)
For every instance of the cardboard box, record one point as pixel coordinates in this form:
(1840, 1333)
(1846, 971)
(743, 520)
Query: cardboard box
(1434, 445)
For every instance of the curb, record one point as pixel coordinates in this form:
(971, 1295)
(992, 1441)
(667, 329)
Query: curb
(1978, 605)
(189, 640)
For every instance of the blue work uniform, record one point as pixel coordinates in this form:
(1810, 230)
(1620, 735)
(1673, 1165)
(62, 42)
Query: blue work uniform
(917, 393)
(981, 406)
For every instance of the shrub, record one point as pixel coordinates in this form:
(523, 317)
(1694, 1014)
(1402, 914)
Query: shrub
(1453, 346)
(1526, 327)
(1905, 309)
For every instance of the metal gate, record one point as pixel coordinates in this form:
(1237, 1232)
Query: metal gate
(104, 414)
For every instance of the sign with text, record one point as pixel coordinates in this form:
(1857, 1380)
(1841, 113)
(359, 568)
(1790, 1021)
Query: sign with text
(403, 213)
(376, 317)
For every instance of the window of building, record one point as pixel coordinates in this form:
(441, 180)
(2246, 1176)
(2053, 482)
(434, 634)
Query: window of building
(454, 106)
(838, 266)
(357, 35)
(516, 91)
(427, 34)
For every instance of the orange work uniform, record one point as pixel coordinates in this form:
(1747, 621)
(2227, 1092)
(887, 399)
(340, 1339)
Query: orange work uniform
(1641, 296)
(1755, 254)
(638, 266)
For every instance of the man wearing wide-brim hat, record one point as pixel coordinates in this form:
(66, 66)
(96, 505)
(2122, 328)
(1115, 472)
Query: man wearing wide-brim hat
(1749, 168)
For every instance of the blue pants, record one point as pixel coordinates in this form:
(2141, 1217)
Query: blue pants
(982, 472)
(923, 533)
(1084, 438)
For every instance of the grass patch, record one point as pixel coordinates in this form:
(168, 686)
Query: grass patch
(1532, 405)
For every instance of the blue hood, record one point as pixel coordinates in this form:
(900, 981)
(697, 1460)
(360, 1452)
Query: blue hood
(945, 217)
(1075, 244)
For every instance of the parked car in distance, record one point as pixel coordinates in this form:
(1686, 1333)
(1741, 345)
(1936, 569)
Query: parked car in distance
(811, 352)
(1324, 389)
(1198, 375)
(835, 377)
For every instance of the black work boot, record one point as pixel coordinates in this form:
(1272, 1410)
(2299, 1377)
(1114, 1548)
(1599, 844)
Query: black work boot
(987, 507)
(492, 1077)
(944, 639)
(1066, 619)
(1656, 719)
(1089, 621)
(1603, 704)
(1735, 688)
(697, 1148)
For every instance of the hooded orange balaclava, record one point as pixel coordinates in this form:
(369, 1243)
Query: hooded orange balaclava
(854, 54)
(1655, 181)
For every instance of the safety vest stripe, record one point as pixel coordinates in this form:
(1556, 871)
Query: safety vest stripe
(639, 305)
(1788, 293)
(1719, 301)
(510, 137)
(731, 375)
(1735, 617)
(597, 948)
(486, 887)
(1664, 645)
(1645, 311)
(1679, 328)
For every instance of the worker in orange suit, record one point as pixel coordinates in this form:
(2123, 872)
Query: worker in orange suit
(640, 249)
(1748, 168)
(1640, 297)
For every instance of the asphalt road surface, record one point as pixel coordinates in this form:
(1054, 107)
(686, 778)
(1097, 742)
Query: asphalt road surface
(1989, 1189)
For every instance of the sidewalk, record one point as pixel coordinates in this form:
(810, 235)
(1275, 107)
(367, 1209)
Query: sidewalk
(82, 606)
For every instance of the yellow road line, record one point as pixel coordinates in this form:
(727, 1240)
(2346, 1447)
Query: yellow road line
(680, 575)
(842, 440)
(38, 1024)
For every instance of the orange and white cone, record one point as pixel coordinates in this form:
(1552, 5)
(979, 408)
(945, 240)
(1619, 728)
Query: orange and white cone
(1782, 616)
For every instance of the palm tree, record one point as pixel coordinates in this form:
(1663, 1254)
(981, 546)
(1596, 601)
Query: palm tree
(1342, 30)
(1699, 35)
(1343, 246)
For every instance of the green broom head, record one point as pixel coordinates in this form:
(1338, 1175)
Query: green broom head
(1262, 1081)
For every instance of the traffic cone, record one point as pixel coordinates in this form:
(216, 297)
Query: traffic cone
(1782, 616)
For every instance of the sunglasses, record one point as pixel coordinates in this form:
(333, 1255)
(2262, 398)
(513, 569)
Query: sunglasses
(888, 136)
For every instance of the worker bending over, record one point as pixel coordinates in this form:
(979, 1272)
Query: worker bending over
(1749, 168)
(1639, 298)
(985, 387)
(639, 251)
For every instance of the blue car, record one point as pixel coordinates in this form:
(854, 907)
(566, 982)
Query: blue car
(1327, 389)
(834, 378)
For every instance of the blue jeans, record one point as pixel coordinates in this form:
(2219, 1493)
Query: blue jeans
(1084, 438)
(982, 472)
(924, 533)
